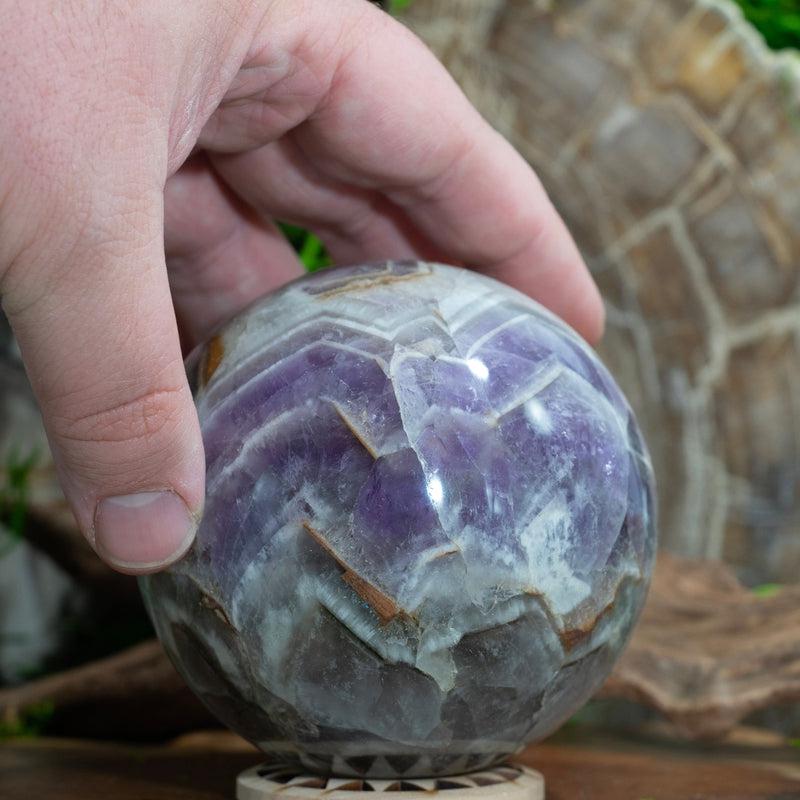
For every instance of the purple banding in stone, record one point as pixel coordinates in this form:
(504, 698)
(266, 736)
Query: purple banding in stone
(429, 523)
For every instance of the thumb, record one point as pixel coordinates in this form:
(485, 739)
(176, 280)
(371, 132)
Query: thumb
(99, 339)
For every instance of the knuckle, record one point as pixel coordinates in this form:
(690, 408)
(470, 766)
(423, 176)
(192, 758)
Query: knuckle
(147, 420)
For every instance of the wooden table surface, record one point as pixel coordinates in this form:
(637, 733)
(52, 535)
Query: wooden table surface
(576, 767)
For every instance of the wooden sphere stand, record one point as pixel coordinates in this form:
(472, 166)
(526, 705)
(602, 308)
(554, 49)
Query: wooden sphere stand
(277, 781)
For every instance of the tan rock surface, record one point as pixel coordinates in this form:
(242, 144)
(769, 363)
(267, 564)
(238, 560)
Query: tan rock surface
(669, 138)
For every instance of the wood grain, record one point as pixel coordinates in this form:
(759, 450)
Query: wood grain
(205, 767)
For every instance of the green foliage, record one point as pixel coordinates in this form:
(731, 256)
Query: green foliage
(766, 589)
(30, 723)
(778, 20)
(794, 743)
(313, 253)
(309, 248)
(14, 495)
(396, 6)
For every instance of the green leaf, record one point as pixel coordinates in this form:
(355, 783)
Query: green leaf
(313, 254)
(310, 249)
(14, 486)
(766, 589)
(30, 723)
(778, 20)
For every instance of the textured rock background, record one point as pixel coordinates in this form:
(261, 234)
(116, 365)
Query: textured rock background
(669, 137)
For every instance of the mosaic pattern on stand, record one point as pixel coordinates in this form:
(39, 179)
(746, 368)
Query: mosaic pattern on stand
(286, 775)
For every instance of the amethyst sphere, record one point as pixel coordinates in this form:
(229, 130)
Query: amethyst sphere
(429, 524)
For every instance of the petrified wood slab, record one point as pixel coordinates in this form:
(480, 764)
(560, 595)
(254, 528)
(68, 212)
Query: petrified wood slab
(708, 651)
(666, 133)
(136, 694)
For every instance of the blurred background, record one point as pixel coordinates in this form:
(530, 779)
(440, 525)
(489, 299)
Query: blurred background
(668, 135)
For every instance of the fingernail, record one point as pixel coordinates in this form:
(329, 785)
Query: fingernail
(143, 532)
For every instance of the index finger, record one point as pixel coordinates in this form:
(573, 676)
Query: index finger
(394, 120)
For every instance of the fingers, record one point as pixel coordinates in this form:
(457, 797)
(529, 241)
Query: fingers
(459, 181)
(355, 224)
(402, 166)
(90, 306)
(221, 255)
(371, 108)
(522, 240)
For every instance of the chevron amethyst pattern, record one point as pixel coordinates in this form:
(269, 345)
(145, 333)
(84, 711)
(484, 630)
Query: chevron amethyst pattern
(429, 524)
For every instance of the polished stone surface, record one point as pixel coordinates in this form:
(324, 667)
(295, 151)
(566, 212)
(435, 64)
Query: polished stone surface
(429, 523)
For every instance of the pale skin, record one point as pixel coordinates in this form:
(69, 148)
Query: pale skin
(146, 147)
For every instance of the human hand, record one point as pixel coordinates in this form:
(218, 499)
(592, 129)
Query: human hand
(145, 148)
